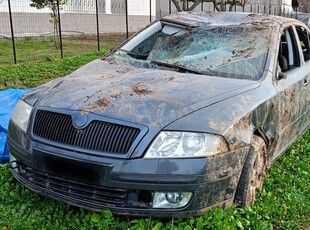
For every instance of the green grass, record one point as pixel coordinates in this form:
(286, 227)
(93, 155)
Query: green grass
(283, 203)
(43, 48)
(31, 74)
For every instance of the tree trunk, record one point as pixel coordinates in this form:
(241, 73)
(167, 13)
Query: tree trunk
(176, 4)
(184, 5)
(194, 5)
(55, 25)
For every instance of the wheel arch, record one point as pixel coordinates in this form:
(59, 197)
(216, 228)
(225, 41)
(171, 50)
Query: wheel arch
(260, 133)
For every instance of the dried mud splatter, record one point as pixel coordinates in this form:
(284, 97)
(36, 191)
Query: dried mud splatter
(102, 102)
(140, 90)
(116, 95)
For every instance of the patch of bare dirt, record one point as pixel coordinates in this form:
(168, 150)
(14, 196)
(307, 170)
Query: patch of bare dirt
(107, 37)
(13, 83)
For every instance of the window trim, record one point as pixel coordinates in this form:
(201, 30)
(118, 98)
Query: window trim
(293, 55)
(299, 41)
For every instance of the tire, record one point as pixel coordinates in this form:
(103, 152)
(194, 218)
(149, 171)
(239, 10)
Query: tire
(253, 173)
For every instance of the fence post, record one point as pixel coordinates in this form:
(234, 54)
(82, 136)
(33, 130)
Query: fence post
(60, 34)
(169, 6)
(258, 9)
(12, 32)
(126, 8)
(97, 21)
(201, 5)
(150, 11)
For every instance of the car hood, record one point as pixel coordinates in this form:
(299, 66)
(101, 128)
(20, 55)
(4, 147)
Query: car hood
(146, 96)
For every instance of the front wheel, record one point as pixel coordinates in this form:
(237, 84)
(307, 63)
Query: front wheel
(253, 173)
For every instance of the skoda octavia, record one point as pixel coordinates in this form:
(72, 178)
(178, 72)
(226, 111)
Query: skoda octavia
(186, 115)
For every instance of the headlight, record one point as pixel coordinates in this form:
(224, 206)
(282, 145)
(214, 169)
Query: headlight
(21, 115)
(186, 145)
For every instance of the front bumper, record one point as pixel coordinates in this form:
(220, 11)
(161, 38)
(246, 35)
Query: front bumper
(126, 186)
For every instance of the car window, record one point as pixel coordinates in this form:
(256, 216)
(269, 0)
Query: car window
(303, 35)
(141, 45)
(288, 57)
(219, 51)
(216, 51)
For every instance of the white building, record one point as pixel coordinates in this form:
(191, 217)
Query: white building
(284, 5)
(79, 15)
(257, 6)
(18, 6)
(135, 7)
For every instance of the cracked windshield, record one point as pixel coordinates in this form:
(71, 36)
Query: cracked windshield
(232, 52)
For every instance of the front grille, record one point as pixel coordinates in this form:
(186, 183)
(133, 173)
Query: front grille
(98, 135)
(84, 193)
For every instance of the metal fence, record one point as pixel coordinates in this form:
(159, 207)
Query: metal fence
(86, 25)
(81, 26)
(165, 7)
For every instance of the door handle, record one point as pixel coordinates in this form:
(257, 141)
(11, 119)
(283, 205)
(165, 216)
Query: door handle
(306, 81)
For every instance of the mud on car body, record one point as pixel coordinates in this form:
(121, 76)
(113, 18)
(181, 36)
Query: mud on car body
(186, 115)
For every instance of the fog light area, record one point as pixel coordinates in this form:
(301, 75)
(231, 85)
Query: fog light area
(171, 199)
(13, 162)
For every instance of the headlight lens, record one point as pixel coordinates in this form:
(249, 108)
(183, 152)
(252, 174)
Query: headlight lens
(21, 115)
(186, 145)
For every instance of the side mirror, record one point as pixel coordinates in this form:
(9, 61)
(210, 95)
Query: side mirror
(279, 74)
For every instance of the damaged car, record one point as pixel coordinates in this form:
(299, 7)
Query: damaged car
(186, 115)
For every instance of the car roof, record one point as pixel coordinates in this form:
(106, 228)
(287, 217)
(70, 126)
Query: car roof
(207, 19)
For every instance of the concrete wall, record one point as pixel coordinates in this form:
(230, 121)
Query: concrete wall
(162, 8)
(257, 6)
(135, 7)
(79, 15)
(29, 24)
(76, 16)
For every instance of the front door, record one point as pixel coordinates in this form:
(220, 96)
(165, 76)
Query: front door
(290, 99)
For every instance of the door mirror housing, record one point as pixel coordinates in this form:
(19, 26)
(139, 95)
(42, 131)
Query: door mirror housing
(279, 74)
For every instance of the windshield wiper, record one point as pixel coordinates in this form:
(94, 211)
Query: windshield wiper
(142, 56)
(175, 67)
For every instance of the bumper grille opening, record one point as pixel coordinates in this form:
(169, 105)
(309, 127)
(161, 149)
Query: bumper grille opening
(145, 197)
(97, 136)
(90, 196)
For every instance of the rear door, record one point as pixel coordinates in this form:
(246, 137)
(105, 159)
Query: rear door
(303, 35)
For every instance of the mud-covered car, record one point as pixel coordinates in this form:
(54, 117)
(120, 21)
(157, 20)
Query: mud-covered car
(186, 115)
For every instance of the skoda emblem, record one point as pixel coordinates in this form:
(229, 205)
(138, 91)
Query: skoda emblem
(80, 120)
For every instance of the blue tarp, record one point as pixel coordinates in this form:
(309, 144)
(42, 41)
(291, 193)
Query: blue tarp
(8, 100)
